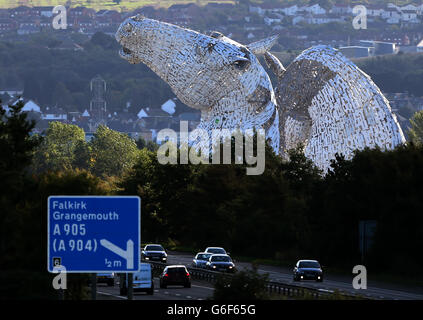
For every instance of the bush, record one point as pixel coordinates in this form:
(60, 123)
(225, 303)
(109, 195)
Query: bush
(244, 285)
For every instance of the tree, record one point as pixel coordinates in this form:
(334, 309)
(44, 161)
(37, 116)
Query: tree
(113, 152)
(57, 152)
(416, 130)
(150, 145)
(82, 156)
(62, 96)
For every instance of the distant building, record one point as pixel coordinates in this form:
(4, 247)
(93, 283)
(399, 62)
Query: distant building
(169, 106)
(31, 106)
(380, 47)
(356, 51)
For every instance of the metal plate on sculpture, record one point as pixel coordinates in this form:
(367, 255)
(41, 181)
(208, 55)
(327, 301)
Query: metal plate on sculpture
(93, 234)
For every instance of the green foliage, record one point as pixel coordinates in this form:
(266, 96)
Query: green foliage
(16, 149)
(416, 130)
(290, 211)
(113, 152)
(246, 285)
(109, 153)
(150, 145)
(61, 148)
(23, 200)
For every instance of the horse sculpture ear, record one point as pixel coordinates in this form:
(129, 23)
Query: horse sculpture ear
(261, 46)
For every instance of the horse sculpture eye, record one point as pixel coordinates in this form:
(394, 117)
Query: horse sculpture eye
(128, 28)
(241, 64)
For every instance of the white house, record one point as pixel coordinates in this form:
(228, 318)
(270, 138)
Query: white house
(169, 106)
(290, 10)
(142, 114)
(341, 9)
(257, 10)
(410, 7)
(314, 9)
(392, 15)
(269, 21)
(31, 106)
(420, 46)
(55, 117)
(297, 19)
(409, 16)
(374, 11)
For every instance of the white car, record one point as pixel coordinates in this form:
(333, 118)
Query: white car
(143, 279)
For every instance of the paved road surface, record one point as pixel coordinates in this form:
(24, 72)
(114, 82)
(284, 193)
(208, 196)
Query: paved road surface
(375, 290)
(198, 291)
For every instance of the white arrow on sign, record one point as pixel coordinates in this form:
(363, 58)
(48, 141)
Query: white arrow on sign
(128, 254)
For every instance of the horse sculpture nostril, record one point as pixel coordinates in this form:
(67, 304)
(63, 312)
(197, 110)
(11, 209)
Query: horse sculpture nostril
(138, 18)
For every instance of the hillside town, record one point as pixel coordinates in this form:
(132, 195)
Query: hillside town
(145, 124)
(296, 24)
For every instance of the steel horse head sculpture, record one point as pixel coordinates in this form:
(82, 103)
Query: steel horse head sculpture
(322, 100)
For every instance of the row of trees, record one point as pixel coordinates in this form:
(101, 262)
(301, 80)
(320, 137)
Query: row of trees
(290, 211)
(108, 153)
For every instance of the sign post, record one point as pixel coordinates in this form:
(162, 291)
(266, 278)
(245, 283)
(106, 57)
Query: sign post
(93, 286)
(94, 234)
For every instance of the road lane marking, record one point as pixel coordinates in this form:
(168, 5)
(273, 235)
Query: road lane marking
(194, 285)
(113, 295)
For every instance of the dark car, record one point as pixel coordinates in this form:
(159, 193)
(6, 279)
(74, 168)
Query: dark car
(175, 275)
(154, 252)
(220, 262)
(216, 250)
(308, 270)
(108, 278)
(200, 260)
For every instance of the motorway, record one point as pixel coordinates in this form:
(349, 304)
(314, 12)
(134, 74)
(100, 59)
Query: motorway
(342, 283)
(198, 291)
(203, 290)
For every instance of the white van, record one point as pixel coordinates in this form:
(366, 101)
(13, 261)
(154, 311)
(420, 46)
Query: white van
(143, 279)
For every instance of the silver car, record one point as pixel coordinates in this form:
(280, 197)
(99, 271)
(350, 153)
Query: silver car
(201, 259)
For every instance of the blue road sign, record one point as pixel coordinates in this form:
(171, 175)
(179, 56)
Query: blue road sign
(93, 234)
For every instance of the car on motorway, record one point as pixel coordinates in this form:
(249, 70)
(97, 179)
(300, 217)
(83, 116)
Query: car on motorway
(154, 252)
(308, 270)
(200, 259)
(108, 278)
(216, 250)
(175, 275)
(220, 262)
(143, 279)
